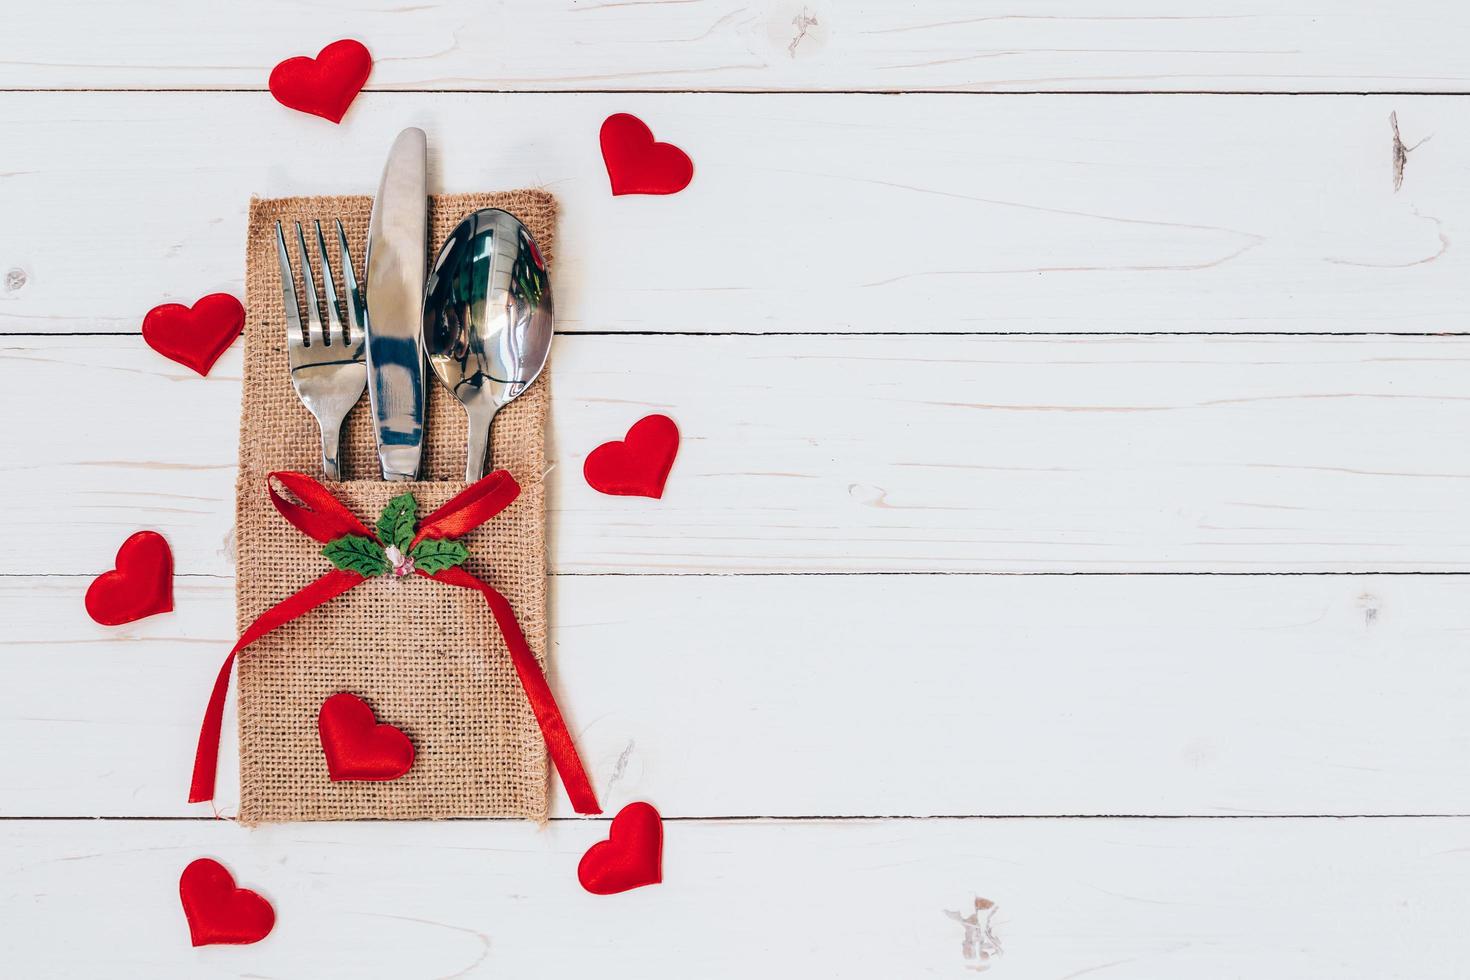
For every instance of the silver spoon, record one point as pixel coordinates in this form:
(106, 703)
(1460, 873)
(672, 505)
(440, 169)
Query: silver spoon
(487, 320)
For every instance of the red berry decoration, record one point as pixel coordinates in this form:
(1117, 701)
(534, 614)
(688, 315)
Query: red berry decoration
(632, 855)
(218, 912)
(639, 464)
(636, 164)
(141, 584)
(325, 85)
(356, 746)
(197, 335)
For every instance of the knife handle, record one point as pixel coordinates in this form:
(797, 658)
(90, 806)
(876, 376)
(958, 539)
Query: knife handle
(396, 376)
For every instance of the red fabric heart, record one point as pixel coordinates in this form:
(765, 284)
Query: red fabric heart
(325, 85)
(356, 746)
(639, 465)
(638, 165)
(218, 912)
(141, 584)
(632, 855)
(197, 335)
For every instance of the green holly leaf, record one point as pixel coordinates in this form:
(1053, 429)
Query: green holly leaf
(396, 524)
(355, 553)
(432, 555)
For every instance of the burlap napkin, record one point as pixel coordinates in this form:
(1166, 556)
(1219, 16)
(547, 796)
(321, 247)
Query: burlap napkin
(426, 656)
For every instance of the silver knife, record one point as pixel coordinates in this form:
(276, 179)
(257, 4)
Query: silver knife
(397, 254)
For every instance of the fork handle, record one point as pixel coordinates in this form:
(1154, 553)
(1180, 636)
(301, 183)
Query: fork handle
(331, 439)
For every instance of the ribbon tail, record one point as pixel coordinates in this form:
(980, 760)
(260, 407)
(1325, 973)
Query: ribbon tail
(206, 756)
(559, 744)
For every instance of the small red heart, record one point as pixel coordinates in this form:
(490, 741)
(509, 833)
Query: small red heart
(141, 584)
(632, 855)
(197, 335)
(325, 85)
(218, 912)
(638, 165)
(637, 466)
(356, 746)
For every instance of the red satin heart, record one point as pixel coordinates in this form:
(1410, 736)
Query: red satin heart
(141, 584)
(197, 335)
(632, 855)
(218, 912)
(639, 465)
(638, 165)
(325, 85)
(356, 746)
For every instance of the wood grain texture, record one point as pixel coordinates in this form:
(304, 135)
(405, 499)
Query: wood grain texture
(730, 651)
(1209, 900)
(1193, 45)
(807, 214)
(853, 454)
(851, 696)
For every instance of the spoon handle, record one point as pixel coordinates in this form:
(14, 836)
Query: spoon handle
(477, 454)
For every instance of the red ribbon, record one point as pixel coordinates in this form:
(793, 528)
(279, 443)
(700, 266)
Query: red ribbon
(322, 517)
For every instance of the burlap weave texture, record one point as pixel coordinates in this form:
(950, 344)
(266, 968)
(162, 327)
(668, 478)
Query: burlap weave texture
(426, 656)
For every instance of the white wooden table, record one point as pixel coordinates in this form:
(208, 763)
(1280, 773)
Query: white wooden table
(1073, 512)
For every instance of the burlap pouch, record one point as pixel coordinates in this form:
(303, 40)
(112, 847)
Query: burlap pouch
(426, 656)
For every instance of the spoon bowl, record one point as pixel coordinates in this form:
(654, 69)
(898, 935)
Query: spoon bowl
(487, 321)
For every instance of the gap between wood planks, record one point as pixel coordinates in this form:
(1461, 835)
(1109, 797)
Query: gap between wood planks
(205, 576)
(1124, 93)
(849, 818)
(889, 333)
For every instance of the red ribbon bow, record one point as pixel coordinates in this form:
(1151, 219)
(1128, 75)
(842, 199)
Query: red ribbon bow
(323, 517)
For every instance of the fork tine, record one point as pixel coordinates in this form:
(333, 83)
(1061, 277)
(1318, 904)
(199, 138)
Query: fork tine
(353, 328)
(314, 336)
(336, 334)
(288, 290)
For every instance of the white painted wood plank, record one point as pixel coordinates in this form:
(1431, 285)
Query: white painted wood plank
(857, 695)
(1055, 214)
(851, 454)
(1221, 45)
(1138, 900)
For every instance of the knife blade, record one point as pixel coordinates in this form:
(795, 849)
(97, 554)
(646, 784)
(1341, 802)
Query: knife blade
(397, 255)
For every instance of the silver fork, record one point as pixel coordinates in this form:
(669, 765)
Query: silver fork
(328, 366)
